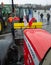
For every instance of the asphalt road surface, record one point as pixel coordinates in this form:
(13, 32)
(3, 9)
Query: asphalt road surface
(47, 27)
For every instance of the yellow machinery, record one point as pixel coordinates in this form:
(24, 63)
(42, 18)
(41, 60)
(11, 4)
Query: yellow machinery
(21, 25)
(0, 26)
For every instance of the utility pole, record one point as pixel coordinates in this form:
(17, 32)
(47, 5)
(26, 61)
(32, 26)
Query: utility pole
(12, 27)
(12, 6)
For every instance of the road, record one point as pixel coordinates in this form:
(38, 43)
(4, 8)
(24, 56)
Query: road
(47, 27)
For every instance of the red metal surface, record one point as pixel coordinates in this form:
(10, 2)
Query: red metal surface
(40, 41)
(27, 57)
(16, 18)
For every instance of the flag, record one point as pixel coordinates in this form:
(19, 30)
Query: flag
(24, 18)
(30, 18)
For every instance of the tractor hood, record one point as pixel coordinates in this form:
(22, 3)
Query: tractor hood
(40, 40)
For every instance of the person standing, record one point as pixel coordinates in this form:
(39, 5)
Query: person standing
(1, 15)
(41, 15)
(48, 18)
(10, 24)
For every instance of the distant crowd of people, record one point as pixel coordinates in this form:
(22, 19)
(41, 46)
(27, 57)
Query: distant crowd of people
(48, 18)
(10, 17)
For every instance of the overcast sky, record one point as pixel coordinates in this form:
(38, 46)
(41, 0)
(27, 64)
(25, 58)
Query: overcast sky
(42, 2)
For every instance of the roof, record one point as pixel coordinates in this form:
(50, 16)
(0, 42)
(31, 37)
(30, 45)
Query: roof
(40, 41)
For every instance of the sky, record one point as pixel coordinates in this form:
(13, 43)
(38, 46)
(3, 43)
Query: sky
(39, 2)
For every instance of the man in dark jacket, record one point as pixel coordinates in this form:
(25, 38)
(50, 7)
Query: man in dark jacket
(41, 15)
(48, 18)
